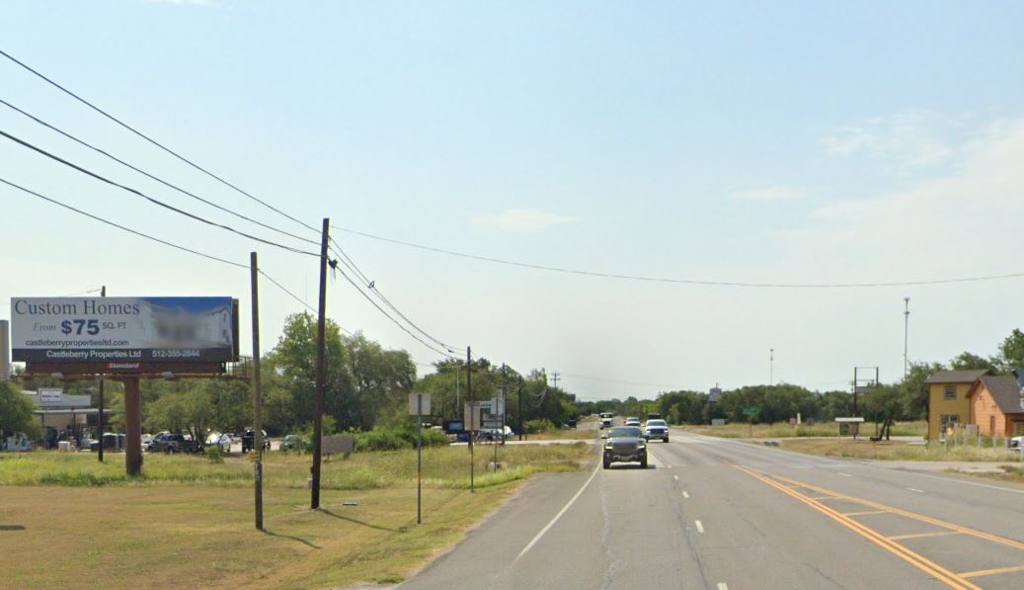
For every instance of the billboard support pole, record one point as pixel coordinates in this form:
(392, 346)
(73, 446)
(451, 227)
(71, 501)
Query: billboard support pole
(257, 391)
(133, 426)
(99, 424)
(321, 373)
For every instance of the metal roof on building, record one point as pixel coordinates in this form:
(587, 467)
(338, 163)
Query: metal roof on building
(955, 376)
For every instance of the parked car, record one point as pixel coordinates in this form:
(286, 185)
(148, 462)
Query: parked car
(656, 429)
(249, 441)
(173, 443)
(1016, 442)
(222, 440)
(16, 443)
(625, 443)
(292, 442)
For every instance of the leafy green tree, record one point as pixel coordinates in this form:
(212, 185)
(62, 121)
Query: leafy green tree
(1011, 351)
(966, 361)
(16, 412)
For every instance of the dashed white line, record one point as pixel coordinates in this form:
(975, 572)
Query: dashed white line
(675, 477)
(700, 527)
(668, 467)
(844, 474)
(685, 495)
(722, 586)
(916, 490)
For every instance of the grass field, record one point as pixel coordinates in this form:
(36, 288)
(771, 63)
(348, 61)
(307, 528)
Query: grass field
(784, 430)
(68, 520)
(896, 451)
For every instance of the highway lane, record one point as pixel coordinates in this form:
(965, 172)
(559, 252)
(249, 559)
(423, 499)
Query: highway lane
(712, 513)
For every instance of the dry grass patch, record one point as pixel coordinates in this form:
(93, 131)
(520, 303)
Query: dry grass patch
(895, 451)
(784, 430)
(190, 523)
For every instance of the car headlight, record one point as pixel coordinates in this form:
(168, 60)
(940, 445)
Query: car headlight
(608, 447)
(641, 446)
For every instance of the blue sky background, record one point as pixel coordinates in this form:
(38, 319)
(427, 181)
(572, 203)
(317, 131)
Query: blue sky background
(775, 142)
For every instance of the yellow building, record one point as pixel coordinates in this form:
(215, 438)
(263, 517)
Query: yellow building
(947, 399)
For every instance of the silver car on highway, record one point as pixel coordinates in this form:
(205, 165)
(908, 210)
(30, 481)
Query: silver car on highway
(625, 443)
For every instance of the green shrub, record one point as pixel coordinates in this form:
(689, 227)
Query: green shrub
(213, 454)
(396, 438)
(538, 426)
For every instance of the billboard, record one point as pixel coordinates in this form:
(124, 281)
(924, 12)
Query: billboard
(124, 329)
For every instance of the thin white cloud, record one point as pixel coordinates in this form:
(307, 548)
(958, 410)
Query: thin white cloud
(913, 138)
(770, 193)
(524, 220)
(963, 222)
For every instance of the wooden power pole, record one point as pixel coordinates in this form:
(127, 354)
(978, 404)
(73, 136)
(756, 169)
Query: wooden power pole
(321, 369)
(257, 391)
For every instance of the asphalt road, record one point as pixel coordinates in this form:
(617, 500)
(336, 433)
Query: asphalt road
(720, 514)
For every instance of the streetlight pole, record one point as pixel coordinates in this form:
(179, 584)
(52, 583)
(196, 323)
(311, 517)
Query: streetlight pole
(906, 334)
(771, 366)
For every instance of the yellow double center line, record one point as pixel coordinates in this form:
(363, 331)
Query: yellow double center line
(938, 572)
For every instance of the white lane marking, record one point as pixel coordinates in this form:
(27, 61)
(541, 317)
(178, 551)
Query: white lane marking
(559, 515)
(916, 490)
(700, 527)
(668, 467)
(966, 483)
(685, 495)
(844, 474)
(675, 477)
(722, 586)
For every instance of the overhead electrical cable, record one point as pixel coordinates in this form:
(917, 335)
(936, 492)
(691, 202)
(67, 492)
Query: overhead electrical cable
(371, 285)
(153, 177)
(127, 229)
(387, 315)
(156, 143)
(710, 283)
(152, 199)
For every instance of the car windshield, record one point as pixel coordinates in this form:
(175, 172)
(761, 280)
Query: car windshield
(655, 423)
(625, 432)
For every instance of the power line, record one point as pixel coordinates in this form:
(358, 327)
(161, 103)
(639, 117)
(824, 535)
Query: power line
(387, 315)
(127, 229)
(155, 143)
(371, 285)
(605, 379)
(151, 199)
(151, 176)
(710, 283)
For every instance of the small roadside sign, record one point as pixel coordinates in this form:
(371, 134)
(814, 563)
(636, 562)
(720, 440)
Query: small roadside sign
(50, 396)
(419, 404)
(751, 411)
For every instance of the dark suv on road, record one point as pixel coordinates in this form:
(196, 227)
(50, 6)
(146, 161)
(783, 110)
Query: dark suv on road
(625, 443)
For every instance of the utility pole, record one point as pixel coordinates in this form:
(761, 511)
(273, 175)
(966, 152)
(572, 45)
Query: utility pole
(504, 402)
(906, 334)
(555, 377)
(458, 401)
(321, 369)
(99, 423)
(771, 366)
(519, 398)
(257, 393)
(472, 414)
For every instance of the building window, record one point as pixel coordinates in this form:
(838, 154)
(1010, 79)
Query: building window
(947, 419)
(950, 393)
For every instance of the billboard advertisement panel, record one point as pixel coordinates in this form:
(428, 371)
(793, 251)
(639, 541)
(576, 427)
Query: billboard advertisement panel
(124, 329)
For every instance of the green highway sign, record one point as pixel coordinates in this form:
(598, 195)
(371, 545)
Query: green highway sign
(751, 411)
